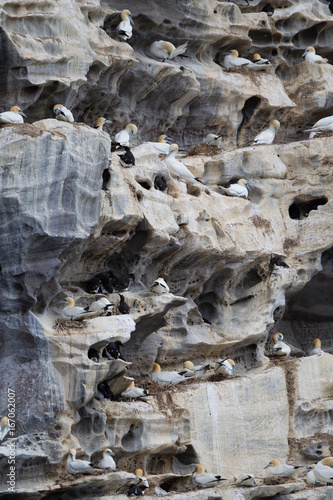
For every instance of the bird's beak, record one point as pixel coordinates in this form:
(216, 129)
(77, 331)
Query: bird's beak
(108, 121)
(304, 53)
(131, 19)
(22, 114)
(233, 370)
(269, 465)
(226, 53)
(307, 470)
(168, 139)
(248, 187)
(111, 453)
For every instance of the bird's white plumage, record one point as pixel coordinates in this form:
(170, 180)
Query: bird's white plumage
(176, 167)
(225, 367)
(204, 479)
(267, 136)
(311, 56)
(275, 469)
(231, 60)
(280, 348)
(63, 114)
(70, 311)
(259, 63)
(310, 477)
(99, 305)
(322, 125)
(124, 28)
(15, 115)
(75, 466)
(133, 392)
(239, 189)
(323, 471)
(246, 480)
(107, 462)
(189, 370)
(162, 49)
(124, 136)
(213, 140)
(162, 146)
(139, 474)
(164, 378)
(160, 286)
(317, 347)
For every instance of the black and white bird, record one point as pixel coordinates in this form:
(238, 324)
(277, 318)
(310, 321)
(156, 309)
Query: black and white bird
(205, 479)
(269, 9)
(123, 308)
(104, 391)
(137, 490)
(14, 115)
(127, 159)
(160, 183)
(112, 350)
(122, 283)
(103, 459)
(160, 286)
(124, 28)
(93, 354)
(62, 113)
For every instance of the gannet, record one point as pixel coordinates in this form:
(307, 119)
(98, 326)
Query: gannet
(93, 354)
(133, 392)
(160, 183)
(204, 479)
(166, 50)
(310, 477)
(100, 122)
(101, 305)
(162, 145)
(280, 470)
(323, 471)
(213, 140)
(189, 370)
(225, 367)
(72, 312)
(260, 63)
(62, 113)
(124, 136)
(15, 115)
(231, 60)
(75, 466)
(160, 286)
(176, 167)
(240, 189)
(268, 9)
(280, 348)
(164, 378)
(4, 428)
(323, 125)
(112, 350)
(127, 159)
(267, 136)
(312, 57)
(123, 308)
(246, 480)
(139, 473)
(124, 28)
(317, 347)
(104, 460)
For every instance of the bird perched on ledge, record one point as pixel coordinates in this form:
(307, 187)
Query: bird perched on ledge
(75, 466)
(104, 460)
(133, 392)
(164, 378)
(166, 50)
(72, 312)
(15, 115)
(127, 159)
(112, 350)
(322, 125)
(213, 140)
(123, 137)
(231, 60)
(176, 167)
(62, 113)
(205, 479)
(312, 57)
(280, 348)
(162, 145)
(317, 347)
(324, 470)
(239, 189)
(280, 470)
(267, 136)
(100, 122)
(124, 28)
(189, 370)
(225, 367)
(160, 286)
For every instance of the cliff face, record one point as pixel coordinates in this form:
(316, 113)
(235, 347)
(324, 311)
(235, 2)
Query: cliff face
(239, 270)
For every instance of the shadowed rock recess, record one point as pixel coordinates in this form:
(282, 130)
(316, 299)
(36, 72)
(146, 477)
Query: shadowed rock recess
(239, 270)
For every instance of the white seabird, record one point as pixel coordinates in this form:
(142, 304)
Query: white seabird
(160, 286)
(317, 347)
(124, 136)
(205, 479)
(162, 145)
(15, 115)
(189, 370)
(260, 63)
(246, 480)
(312, 57)
(267, 136)
(72, 312)
(100, 122)
(75, 466)
(310, 477)
(139, 474)
(322, 125)
(240, 189)
(213, 140)
(4, 428)
(323, 471)
(62, 113)
(104, 460)
(280, 470)
(225, 367)
(124, 28)
(176, 167)
(133, 392)
(231, 60)
(101, 305)
(166, 50)
(164, 378)
(280, 348)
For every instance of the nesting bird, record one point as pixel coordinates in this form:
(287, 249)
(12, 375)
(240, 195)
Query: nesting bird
(164, 378)
(311, 56)
(317, 347)
(75, 466)
(14, 115)
(213, 140)
(160, 183)
(205, 479)
(112, 350)
(260, 63)
(323, 471)
(104, 460)
(267, 136)
(133, 392)
(166, 50)
(280, 348)
(225, 367)
(104, 391)
(239, 189)
(124, 28)
(269, 9)
(139, 474)
(123, 137)
(231, 60)
(100, 122)
(176, 167)
(127, 159)
(137, 490)
(72, 312)
(4, 428)
(160, 286)
(322, 125)
(101, 305)
(189, 370)
(246, 480)
(62, 113)
(280, 470)
(93, 354)
(162, 145)
(310, 477)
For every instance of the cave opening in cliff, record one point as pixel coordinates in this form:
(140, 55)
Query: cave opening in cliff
(309, 313)
(300, 209)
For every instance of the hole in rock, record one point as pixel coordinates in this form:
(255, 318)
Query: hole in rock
(248, 110)
(144, 184)
(309, 314)
(159, 464)
(177, 484)
(106, 179)
(193, 190)
(308, 36)
(261, 37)
(250, 279)
(284, 72)
(131, 441)
(184, 463)
(207, 306)
(301, 209)
(139, 196)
